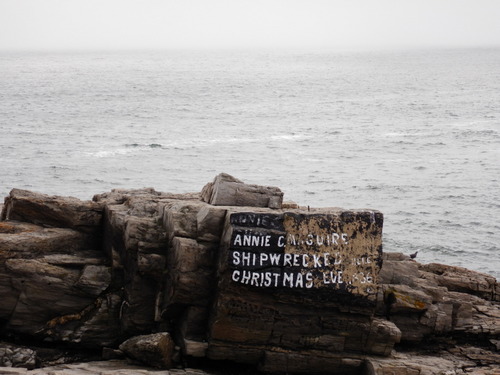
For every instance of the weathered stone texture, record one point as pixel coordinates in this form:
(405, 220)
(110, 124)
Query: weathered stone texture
(50, 264)
(110, 367)
(194, 230)
(190, 272)
(155, 350)
(320, 259)
(136, 243)
(45, 273)
(310, 362)
(287, 290)
(16, 356)
(423, 301)
(226, 190)
(459, 279)
(462, 360)
(54, 211)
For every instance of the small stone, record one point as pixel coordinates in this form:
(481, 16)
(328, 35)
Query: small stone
(155, 350)
(226, 190)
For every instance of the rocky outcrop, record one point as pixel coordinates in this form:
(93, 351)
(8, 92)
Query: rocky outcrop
(50, 274)
(169, 279)
(53, 211)
(423, 301)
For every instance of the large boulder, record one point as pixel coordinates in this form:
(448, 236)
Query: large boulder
(291, 283)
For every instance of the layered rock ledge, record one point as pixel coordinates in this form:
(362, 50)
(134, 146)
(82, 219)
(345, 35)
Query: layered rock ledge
(232, 276)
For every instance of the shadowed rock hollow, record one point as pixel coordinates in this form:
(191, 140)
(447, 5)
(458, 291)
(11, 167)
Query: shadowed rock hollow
(231, 275)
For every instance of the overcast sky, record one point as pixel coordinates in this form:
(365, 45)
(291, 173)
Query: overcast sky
(326, 24)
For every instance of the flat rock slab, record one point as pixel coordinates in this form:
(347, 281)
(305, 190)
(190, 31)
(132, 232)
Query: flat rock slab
(325, 250)
(112, 367)
(54, 211)
(273, 264)
(226, 190)
(441, 363)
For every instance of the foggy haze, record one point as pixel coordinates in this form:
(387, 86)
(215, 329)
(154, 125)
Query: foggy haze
(195, 24)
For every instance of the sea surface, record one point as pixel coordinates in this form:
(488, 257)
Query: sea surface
(414, 134)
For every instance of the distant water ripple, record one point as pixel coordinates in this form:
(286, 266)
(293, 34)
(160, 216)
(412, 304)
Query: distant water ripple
(415, 135)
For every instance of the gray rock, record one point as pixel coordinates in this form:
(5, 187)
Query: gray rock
(191, 271)
(155, 350)
(54, 211)
(226, 190)
(136, 244)
(94, 279)
(46, 273)
(164, 262)
(180, 218)
(450, 299)
(460, 279)
(16, 356)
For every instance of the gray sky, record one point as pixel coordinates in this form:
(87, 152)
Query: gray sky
(326, 24)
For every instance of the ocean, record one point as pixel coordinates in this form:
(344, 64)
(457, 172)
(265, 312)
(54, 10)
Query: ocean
(414, 134)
